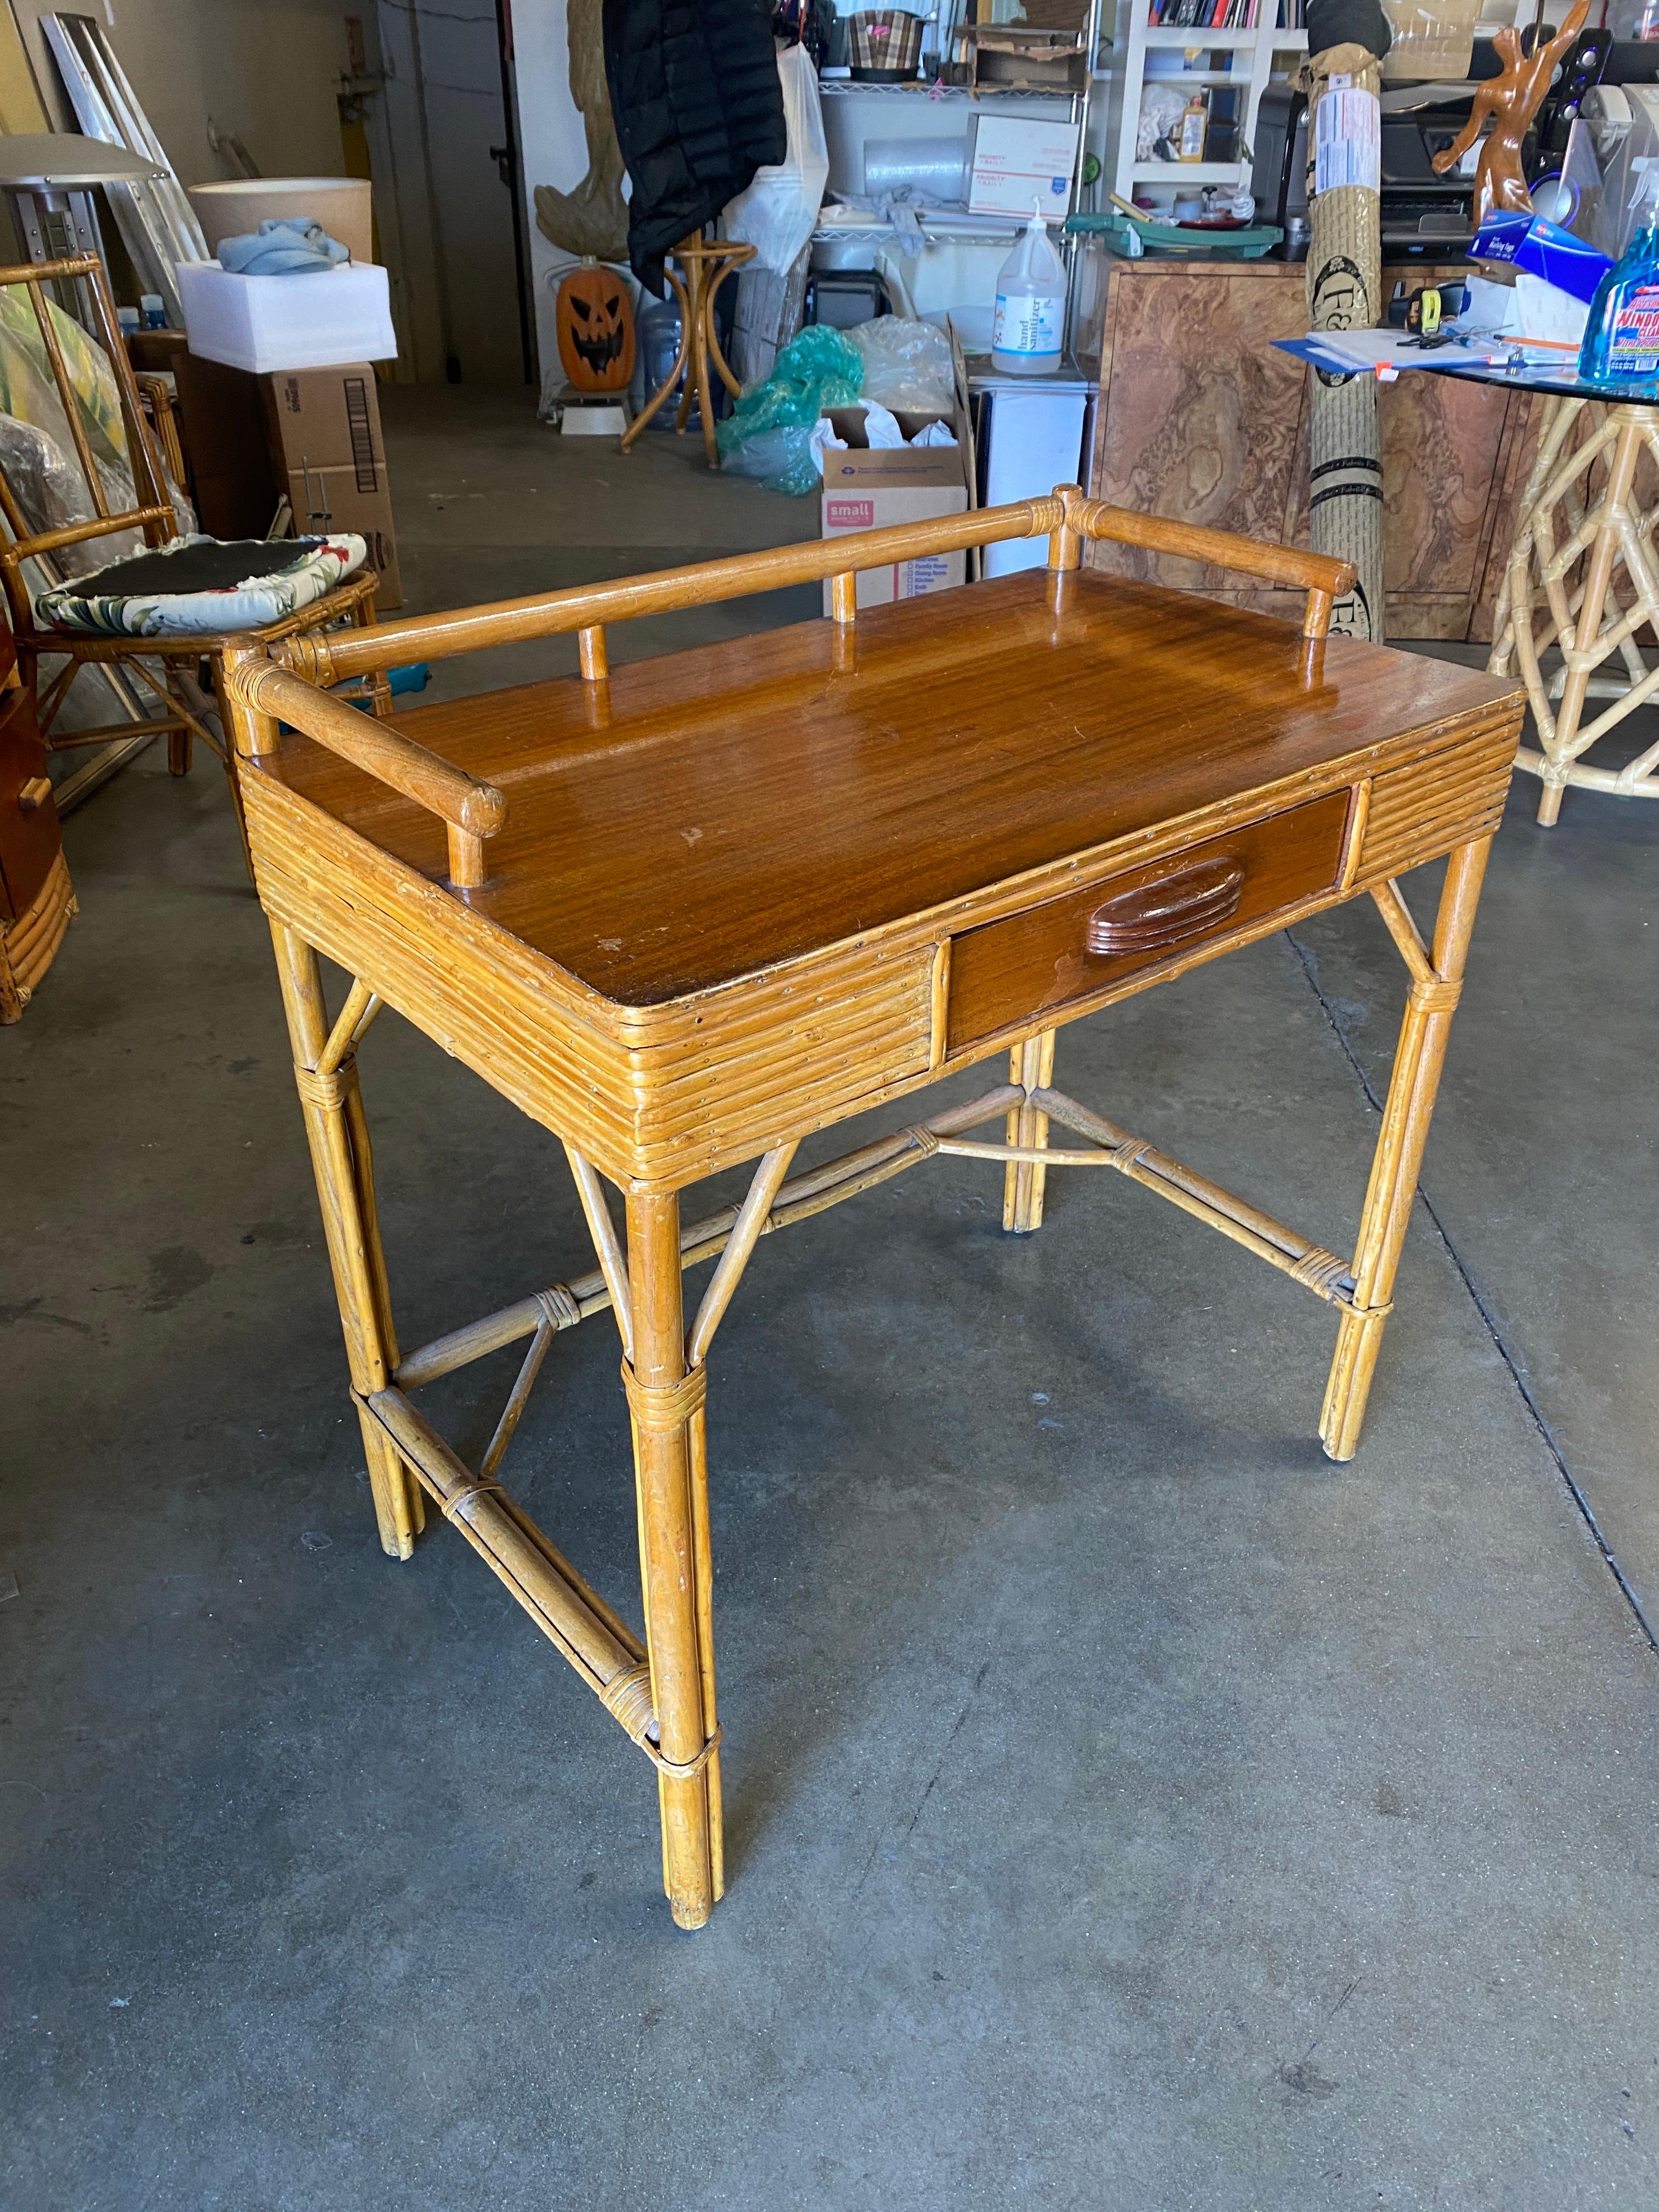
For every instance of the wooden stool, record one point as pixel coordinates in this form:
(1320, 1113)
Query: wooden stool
(707, 264)
(1584, 553)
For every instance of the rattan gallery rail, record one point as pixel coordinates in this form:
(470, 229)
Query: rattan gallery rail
(685, 914)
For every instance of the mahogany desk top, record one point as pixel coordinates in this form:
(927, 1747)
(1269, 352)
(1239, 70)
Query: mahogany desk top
(746, 803)
(685, 912)
(752, 828)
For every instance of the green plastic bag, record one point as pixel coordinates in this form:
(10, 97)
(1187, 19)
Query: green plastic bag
(818, 369)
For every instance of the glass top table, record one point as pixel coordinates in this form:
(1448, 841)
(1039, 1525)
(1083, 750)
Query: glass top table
(1581, 586)
(1556, 383)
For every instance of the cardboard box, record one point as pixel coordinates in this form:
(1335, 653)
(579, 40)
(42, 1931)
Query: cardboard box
(871, 489)
(1013, 58)
(323, 428)
(249, 438)
(1018, 165)
(330, 499)
(1542, 249)
(326, 418)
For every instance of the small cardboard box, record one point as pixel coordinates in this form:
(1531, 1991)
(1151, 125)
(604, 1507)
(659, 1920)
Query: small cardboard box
(1542, 249)
(1020, 164)
(871, 489)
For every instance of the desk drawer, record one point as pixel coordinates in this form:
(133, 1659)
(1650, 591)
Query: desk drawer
(1010, 972)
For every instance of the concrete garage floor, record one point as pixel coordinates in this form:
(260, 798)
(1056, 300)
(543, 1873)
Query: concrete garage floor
(1128, 1809)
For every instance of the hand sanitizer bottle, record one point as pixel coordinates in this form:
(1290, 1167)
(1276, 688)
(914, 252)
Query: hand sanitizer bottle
(1031, 317)
(1621, 337)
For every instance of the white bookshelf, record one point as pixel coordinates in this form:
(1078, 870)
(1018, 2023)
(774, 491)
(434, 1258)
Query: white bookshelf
(1145, 52)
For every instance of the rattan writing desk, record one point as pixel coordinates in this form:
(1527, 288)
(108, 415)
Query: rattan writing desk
(683, 914)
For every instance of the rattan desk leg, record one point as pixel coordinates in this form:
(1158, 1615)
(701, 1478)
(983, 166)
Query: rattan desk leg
(1418, 1062)
(664, 1401)
(1032, 1066)
(338, 1138)
(697, 1445)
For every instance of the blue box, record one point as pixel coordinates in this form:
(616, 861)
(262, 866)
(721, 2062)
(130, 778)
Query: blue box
(1542, 249)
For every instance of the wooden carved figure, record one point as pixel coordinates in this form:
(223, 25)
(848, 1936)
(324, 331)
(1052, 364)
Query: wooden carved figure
(1508, 102)
(593, 218)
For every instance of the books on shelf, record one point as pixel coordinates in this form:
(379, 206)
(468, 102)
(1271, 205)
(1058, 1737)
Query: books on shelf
(1209, 15)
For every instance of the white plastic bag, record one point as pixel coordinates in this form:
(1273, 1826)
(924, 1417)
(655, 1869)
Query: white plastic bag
(776, 213)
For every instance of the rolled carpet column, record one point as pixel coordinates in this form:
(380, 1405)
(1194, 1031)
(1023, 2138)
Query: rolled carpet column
(1342, 79)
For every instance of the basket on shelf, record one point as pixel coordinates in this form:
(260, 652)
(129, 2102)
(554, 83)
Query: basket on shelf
(883, 44)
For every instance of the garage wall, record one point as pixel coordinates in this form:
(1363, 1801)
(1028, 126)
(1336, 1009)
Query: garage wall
(448, 214)
(266, 71)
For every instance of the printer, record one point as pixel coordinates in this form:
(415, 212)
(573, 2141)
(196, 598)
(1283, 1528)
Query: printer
(1422, 215)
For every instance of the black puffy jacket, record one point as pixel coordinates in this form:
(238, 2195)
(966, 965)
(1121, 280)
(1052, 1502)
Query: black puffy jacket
(698, 109)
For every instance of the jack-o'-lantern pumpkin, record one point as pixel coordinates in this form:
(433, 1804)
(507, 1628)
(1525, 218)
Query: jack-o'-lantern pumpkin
(594, 319)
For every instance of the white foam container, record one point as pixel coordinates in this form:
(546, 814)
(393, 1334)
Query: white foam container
(266, 324)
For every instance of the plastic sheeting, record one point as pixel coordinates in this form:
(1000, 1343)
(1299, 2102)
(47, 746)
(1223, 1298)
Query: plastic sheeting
(37, 451)
(907, 365)
(767, 433)
(892, 363)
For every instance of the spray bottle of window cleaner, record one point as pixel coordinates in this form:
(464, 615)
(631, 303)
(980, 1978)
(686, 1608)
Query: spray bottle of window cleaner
(1621, 337)
(1031, 317)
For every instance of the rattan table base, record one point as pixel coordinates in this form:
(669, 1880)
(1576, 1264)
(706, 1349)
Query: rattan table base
(1583, 559)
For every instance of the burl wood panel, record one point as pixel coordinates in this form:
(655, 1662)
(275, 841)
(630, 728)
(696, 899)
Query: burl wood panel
(1033, 961)
(1201, 420)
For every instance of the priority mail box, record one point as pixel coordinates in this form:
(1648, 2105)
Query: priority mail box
(1019, 166)
(870, 487)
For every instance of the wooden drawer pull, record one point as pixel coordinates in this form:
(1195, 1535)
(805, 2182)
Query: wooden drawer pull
(35, 794)
(1169, 911)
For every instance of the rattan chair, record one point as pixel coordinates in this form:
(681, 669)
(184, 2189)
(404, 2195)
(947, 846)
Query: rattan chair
(158, 676)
